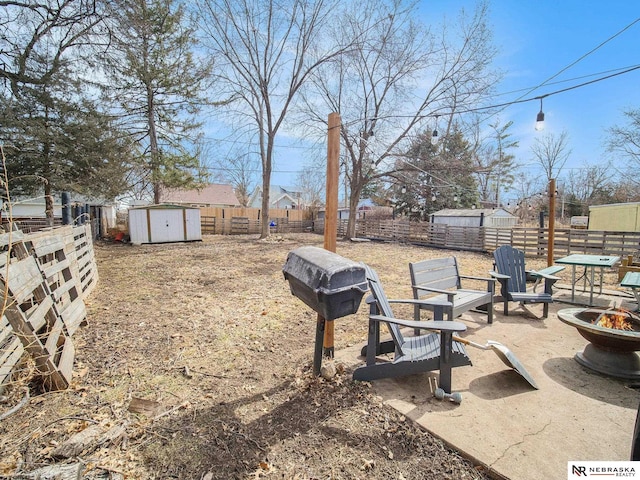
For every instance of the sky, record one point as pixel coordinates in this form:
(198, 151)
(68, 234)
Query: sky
(536, 40)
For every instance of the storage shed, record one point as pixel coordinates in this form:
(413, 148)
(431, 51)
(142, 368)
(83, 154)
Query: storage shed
(164, 223)
(475, 217)
(615, 217)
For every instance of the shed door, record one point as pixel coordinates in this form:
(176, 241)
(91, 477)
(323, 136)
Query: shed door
(166, 225)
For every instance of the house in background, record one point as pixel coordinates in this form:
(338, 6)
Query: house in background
(475, 217)
(279, 197)
(33, 208)
(213, 195)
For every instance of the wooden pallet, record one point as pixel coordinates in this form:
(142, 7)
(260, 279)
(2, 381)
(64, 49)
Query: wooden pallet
(85, 258)
(11, 351)
(239, 225)
(51, 252)
(34, 318)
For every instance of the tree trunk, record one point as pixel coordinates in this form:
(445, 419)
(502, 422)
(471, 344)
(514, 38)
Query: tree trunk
(48, 203)
(266, 186)
(264, 226)
(353, 212)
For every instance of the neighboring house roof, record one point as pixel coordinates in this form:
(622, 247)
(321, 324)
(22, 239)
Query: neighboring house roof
(214, 194)
(277, 195)
(472, 212)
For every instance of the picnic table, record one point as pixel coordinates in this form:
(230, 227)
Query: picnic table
(589, 262)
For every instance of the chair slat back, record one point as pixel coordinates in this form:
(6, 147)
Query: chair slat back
(510, 261)
(440, 273)
(383, 303)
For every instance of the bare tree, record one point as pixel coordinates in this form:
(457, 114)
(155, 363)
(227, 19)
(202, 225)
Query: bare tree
(551, 153)
(311, 181)
(494, 163)
(529, 196)
(625, 141)
(399, 77)
(241, 171)
(589, 185)
(38, 38)
(266, 51)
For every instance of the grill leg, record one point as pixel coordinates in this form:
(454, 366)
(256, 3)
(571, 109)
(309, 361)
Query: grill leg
(317, 354)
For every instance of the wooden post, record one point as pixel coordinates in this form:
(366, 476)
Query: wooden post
(331, 200)
(552, 220)
(331, 208)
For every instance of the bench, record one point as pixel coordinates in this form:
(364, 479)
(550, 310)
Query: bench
(538, 275)
(632, 280)
(440, 280)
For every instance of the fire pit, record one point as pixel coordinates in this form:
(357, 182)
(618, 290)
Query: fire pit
(614, 336)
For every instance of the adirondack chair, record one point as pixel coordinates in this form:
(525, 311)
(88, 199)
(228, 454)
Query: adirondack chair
(435, 350)
(512, 275)
(440, 278)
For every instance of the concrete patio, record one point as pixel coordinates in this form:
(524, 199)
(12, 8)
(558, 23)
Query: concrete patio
(517, 432)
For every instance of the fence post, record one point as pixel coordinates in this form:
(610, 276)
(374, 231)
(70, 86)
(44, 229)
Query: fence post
(66, 208)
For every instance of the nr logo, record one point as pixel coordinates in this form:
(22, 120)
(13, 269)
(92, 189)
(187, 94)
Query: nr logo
(579, 471)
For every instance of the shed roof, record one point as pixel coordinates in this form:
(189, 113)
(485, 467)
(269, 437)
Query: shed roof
(163, 206)
(472, 212)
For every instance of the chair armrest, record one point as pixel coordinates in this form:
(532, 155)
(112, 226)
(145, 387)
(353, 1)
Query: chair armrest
(426, 301)
(449, 293)
(443, 325)
(499, 276)
(544, 275)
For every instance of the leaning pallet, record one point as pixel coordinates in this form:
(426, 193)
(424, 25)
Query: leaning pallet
(51, 252)
(11, 351)
(31, 311)
(84, 259)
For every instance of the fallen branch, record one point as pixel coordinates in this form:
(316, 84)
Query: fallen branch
(18, 406)
(170, 411)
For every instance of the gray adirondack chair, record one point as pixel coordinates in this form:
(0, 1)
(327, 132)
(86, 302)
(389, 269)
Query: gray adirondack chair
(512, 275)
(440, 278)
(435, 350)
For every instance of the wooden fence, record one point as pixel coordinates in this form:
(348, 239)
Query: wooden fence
(47, 275)
(244, 225)
(532, 240)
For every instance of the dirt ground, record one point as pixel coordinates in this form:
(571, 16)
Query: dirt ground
(196, 364)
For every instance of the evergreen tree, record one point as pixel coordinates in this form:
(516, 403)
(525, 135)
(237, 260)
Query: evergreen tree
(157, 82)
(56, 140)
(437, 176)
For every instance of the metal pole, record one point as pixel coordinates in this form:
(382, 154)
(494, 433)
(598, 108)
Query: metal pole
(66, 208)
(552, 220)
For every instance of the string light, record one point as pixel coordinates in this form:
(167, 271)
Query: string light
(540, 118)
(434, 135)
